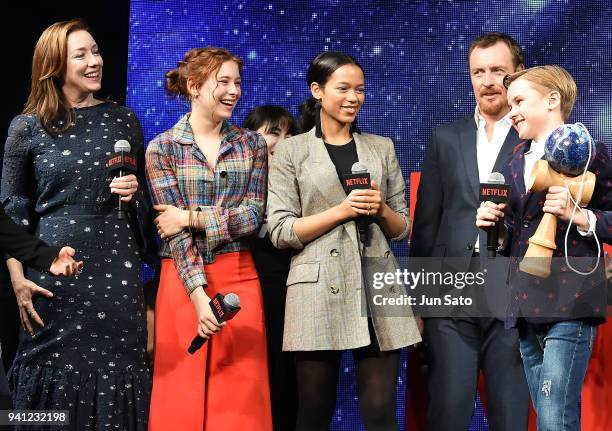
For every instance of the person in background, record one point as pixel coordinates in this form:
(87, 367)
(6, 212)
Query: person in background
(275, 124)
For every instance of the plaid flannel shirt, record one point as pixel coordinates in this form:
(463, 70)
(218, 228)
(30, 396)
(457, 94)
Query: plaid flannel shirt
(231, 198)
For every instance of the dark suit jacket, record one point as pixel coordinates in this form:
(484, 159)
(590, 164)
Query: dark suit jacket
(448, 196)
(564, 295)
(444, 224)
(26, 248)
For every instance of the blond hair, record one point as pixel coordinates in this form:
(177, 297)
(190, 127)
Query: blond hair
(550, 78)
(48, 69)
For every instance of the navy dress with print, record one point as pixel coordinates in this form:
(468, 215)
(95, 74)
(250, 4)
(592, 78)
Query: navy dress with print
(89, 358)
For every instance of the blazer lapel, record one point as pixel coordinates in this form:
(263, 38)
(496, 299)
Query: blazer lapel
(324, 176)
(517, 169)
(528, 194)
(468, 139)
(322, 171)
(512, 140)
(368, 157)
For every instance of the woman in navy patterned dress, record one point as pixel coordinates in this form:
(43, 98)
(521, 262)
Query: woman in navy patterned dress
(83, 348)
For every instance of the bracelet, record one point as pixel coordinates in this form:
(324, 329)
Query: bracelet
(199, 223)
(193, 240)
(190, 223)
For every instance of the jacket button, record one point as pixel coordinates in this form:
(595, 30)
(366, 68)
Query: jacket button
(525, 224)
(334, 252)
(469, 246)
(334, 289)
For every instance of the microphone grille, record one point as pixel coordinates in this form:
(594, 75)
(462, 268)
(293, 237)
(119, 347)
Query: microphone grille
(496, 178)
(232, 300)
(122, 145)
(359, 168)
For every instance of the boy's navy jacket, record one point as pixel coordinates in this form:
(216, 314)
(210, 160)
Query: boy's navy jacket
(564, 295)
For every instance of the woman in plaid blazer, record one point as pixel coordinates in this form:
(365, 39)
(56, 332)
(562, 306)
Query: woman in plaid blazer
(208, 181)
(310, 212)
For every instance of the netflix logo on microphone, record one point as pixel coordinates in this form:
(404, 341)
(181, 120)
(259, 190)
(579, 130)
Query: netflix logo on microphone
(357, 181)
(497, 193)
(122, 161)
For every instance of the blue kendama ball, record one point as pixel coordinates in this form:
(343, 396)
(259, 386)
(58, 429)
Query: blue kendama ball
(567, 149)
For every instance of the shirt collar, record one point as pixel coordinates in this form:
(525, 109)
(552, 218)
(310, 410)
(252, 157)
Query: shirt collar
(505, 120)
(183, 133)
(537, 146)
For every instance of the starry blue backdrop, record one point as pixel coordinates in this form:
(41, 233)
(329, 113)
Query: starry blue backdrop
(414, 56)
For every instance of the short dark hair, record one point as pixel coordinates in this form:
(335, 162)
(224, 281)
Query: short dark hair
(489, 39)
(273, 118)
(325, 64)
(319, 71)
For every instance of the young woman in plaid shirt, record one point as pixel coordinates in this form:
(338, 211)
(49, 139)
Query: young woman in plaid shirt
(208, 181)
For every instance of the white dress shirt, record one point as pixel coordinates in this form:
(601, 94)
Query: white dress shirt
(535, 153)
(487, 151)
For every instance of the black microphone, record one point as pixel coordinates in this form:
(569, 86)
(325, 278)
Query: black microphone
(494, 190)
(122, 163)
(359, 178)
(224, 308)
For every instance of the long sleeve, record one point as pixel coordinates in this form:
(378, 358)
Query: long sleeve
(142, 213)
(284, 206)
(428, 211)
(601, 202)
(224, 225)
(23, 246)
(396, 190)
(18, 186)
(165, 190)
(509, 219)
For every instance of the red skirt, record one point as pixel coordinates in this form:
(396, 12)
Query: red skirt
(224, 385)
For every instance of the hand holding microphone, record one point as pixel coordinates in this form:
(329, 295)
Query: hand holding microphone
(489, 214)
(366, 202)
(493, 197)
(123, 164)
(364, 198)
(125, 187)
(212, 315)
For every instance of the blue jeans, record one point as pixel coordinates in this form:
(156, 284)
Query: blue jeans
(555, 357)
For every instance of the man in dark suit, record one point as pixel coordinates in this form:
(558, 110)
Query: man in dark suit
(28, 249)
(461, 155)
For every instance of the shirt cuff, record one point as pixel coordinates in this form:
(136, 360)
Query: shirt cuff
(215, 227)
(592, 222)
(193, 279)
